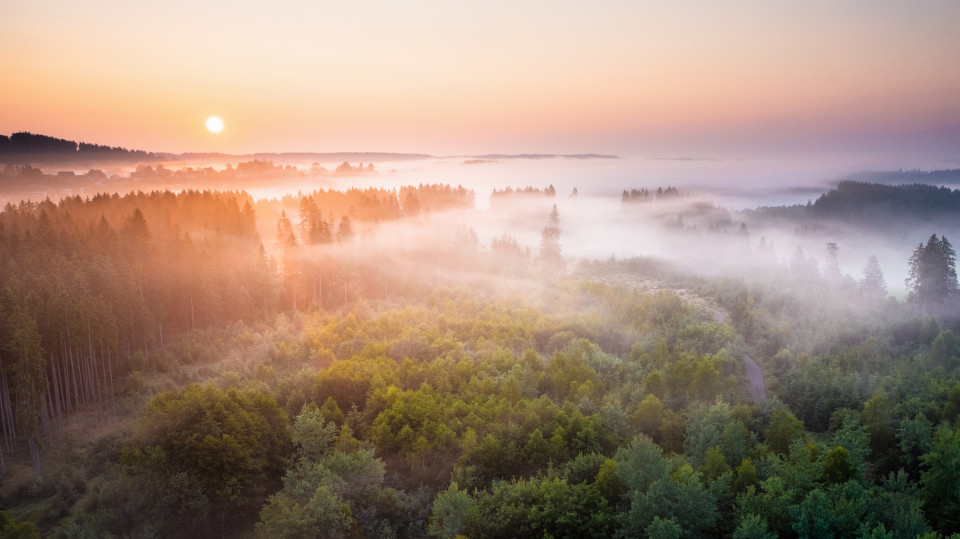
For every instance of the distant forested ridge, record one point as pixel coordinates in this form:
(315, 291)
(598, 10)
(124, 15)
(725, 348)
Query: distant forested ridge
(25, 147)
(874, 203)
(900, 177)
(894, 209)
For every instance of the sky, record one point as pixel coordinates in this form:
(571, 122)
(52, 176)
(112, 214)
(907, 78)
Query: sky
(450, 78)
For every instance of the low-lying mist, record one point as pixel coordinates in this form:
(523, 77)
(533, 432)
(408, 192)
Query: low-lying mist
(708, 222)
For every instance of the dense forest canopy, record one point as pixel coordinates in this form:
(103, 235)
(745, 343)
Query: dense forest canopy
(364, 362)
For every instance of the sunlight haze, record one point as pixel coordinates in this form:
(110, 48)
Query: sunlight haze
(440, 78)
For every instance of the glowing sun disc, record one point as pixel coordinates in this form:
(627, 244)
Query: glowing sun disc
(214, 124)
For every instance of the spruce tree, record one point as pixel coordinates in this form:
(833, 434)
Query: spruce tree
(932, 281)
(873, 285)
(551, 259)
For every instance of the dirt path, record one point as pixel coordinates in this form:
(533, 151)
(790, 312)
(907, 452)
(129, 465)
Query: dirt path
(758, 391)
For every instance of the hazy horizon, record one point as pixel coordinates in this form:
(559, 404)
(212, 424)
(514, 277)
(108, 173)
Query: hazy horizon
(628, 78)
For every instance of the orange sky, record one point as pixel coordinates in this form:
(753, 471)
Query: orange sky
(476, 77)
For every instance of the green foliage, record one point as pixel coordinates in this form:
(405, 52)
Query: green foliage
(746, 475)
(837, 465)
(202, 449)
(878, 418)
(312, 434)
(753, 527)
(454, 513)
(608, 483)
(640, 464)
(342, 490)
(681, 497)
(784, 429)
(736, 442)
(12, 528)
(853, 437)
(915, 437)
(715, 464)
(811, 517)
(649, 416)
(940, 480)
(587, 411)
(771, 501)
(932, 281)
(539, 507)
(664, 529)
(285, 517)
(705, 428)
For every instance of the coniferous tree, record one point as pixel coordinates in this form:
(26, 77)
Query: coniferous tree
(832, 269)
(873, 285)
(345, 230)
(551, 259)
(932, 281)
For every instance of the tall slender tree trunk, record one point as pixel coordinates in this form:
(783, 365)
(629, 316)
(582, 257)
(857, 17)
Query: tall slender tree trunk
(73, 371)
(113, 395)
(6, 411)
(34, 453)
(64, 375)
(103, 370)
(56, 393)
(45, 419)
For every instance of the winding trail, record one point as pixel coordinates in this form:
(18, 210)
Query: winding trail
(758, 390)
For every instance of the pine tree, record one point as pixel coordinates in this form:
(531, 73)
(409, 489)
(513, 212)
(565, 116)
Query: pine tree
(551, 259)
(873, 285)
(345, 231)
(932, 280)
(832, 269)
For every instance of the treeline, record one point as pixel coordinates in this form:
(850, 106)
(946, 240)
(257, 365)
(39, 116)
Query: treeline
(901, 177)
(28, 146)
(508, 192)
(892, 210)
(875, 205)
(92, 289)
(643, 195)
(372, 204)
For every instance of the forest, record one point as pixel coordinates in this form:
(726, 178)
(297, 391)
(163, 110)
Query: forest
(373, 362)
(30, 147)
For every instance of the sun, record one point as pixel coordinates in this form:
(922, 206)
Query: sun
(214, 124)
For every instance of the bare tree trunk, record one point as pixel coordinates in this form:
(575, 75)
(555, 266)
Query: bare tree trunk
(34, 453)
(6, 412)
(84, 367)
(113, 395)
(73, 371)
(52, 412)
(56, 393)
(5, 427)
(64, 374)
(44, 417)
(96, 378)
(93, 359)
(103, 369)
